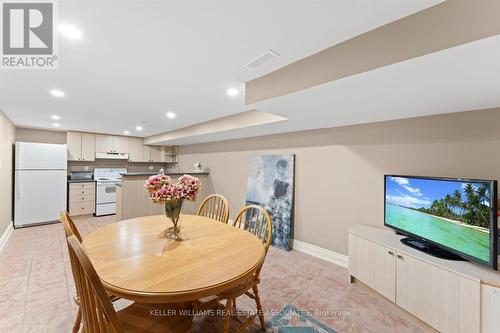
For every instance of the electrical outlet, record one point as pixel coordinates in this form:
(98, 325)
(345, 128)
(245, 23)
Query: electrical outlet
(86, 168)
(151, 167)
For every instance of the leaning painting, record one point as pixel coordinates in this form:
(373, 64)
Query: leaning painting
(270, 185)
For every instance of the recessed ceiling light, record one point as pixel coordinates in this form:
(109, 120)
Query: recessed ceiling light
(57, 93)
(138, 128)
(56, 117)
(56, 124)
(126, 132)
(232, 92)
(171, 115)
(70, 31)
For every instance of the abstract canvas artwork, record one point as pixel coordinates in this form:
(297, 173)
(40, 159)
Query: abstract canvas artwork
(271, 186)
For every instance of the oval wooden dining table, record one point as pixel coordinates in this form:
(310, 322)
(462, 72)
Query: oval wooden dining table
(135, 263)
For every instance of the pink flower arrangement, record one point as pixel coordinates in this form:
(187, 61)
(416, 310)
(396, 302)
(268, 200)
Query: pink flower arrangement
(161, 189)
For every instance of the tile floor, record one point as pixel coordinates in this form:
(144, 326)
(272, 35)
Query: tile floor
(36, 288)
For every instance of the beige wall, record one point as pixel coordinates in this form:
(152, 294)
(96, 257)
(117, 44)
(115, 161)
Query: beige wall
(7, 138)
(40, 136)
(339, 171)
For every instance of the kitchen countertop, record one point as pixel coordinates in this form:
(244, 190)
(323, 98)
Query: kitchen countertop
(131, 174)
(81, 180)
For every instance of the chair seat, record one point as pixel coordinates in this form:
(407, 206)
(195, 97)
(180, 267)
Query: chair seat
(152, 318)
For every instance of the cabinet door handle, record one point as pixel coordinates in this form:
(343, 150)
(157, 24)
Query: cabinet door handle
(390, 252)
(400, 256)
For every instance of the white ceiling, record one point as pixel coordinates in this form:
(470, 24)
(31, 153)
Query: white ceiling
(463, 78)
(139, 59)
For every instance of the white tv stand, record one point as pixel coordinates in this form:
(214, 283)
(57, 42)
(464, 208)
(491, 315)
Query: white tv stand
(451, 296)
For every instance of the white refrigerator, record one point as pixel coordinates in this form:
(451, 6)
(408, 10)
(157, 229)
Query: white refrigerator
(40, 183)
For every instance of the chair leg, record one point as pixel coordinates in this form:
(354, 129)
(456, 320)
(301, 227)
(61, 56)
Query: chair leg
(78, 321)
(234, 306)
(260, 312)
(227, 315)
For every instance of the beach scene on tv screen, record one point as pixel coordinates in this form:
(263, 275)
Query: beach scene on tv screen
(453, 213)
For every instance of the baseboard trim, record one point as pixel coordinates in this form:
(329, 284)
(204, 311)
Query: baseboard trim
(5, 236)
(319, 252)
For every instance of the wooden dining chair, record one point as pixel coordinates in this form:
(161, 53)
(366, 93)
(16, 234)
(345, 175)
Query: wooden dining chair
(216, 207)
(70, 226)
(71, 229)
(256, 220)
(98, 313)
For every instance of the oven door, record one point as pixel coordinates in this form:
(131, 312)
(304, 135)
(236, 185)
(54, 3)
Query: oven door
(106, 192)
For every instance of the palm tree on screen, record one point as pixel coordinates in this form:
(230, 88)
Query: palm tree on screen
(471, 208)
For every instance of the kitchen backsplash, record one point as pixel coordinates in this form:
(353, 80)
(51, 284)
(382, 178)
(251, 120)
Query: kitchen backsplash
(131, 167)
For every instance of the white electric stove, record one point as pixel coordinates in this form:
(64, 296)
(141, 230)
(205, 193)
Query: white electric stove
(107, 178)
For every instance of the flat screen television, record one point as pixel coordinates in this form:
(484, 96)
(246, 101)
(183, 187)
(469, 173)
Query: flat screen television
(449, 218)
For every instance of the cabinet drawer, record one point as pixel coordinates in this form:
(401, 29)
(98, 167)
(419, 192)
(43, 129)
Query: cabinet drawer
(81, 208)
(81, 191)
(79, 197)
(74, 186)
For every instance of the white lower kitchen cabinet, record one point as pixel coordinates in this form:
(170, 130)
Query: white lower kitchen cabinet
(82, 198)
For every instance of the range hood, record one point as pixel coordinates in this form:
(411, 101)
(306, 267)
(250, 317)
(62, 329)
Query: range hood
(111, 156)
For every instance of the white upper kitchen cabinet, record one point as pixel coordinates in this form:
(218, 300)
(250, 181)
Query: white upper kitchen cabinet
(81, 146)
(104, 143)
(135, 149)
(88, 147)
(121, 144)
(74, 142)
(146, 153)
(156, 154)
(111, 144)
(152, 153)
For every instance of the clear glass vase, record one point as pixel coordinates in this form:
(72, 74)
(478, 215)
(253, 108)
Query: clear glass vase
(172, 212)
